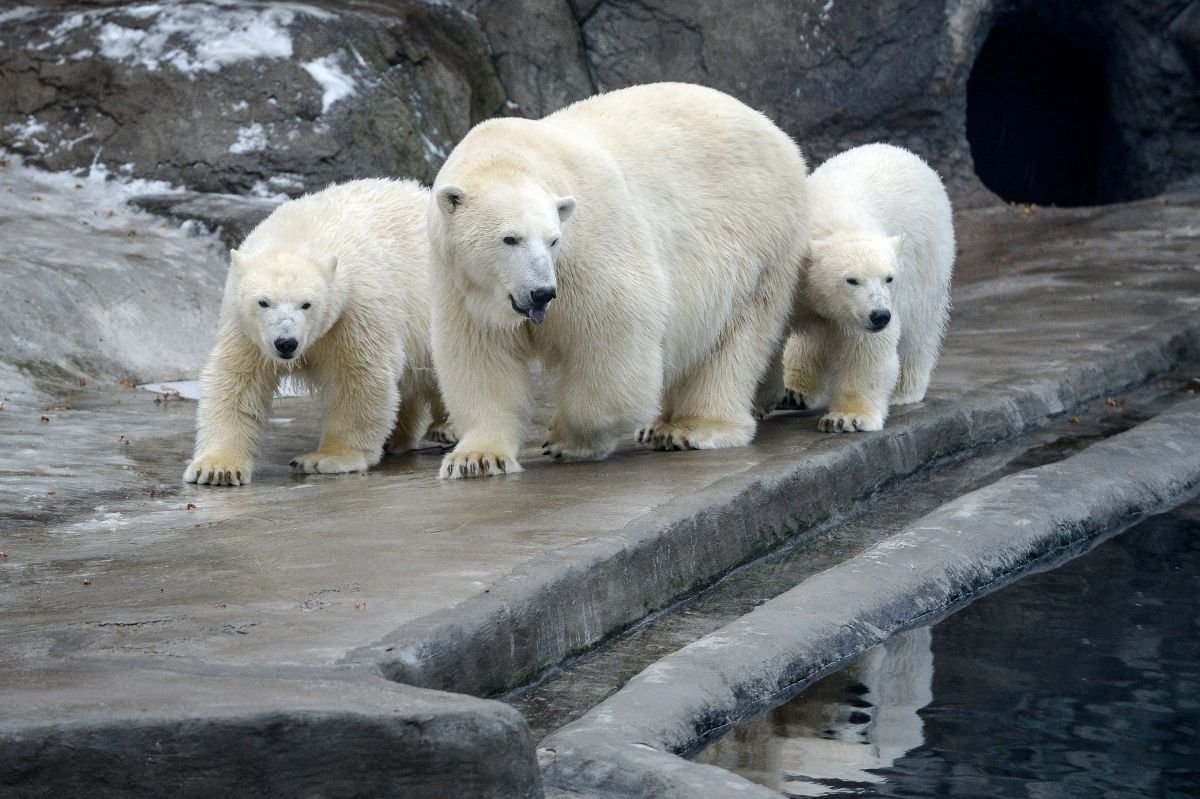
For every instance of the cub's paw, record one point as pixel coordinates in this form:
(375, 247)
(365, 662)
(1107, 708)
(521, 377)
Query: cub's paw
(219, 470)
(850, 422)
(441, 433)
(793, 401)
(331, 463)
(470, 464)
(693, 433)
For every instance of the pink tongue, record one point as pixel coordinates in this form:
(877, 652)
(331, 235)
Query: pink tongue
(538, 315)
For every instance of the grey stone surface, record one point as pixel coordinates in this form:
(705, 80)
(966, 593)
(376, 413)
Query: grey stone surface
(628, 745)
(95, 291)
(275, 97)
(232, 216)
(148, 731)
(538, 53)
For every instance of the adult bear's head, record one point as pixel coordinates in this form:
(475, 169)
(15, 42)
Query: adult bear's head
(499, 235)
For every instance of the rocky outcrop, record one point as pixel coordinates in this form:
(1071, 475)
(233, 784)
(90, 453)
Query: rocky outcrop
(244, 97)
(281, 97)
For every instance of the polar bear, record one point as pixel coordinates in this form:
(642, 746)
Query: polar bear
(643, 244)
(332, 288)
(874, 298)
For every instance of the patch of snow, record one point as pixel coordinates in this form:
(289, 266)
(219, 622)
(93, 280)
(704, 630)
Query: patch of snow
(433, 154)
(263, 189)
(192, 38)
(27, 133)
(240, 105)
(250, 139)
(20, 12)
(335, 83)
(287, 181)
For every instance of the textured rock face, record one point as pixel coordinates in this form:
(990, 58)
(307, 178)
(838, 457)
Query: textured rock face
(287, 96)
(273, 97)
(838, 74)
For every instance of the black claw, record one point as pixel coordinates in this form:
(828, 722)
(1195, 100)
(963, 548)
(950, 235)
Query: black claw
(295, 462)
(558, 456)
(503, 466)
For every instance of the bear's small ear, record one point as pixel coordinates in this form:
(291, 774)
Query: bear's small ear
(566, 207)
(897, 242)
(238, 260)
(328, 264)
(450, 198)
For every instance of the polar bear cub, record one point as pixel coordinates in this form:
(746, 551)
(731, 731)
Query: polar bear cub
(331, 288)
(643, 244)
(875, 297)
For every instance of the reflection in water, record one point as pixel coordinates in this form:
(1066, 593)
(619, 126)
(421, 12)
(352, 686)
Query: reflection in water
(1078, 683)
(824, 741)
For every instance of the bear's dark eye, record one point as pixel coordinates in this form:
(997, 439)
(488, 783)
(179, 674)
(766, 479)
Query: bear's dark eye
(308, 305)
(890, 278)
(510, 240)
(264, 304)
(852, 281)
(554, 243)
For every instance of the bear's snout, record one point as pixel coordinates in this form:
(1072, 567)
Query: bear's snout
(286, 346)
(879, 319)
(543, 295)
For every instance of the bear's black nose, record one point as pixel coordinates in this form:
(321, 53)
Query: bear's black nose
(543, 295)
(286, 346)
(880, 318)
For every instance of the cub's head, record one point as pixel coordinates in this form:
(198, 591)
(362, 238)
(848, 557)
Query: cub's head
(501, 241)
(851, 279)
(284, 300)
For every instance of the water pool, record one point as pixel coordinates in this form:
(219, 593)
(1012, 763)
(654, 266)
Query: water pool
(1083, 681)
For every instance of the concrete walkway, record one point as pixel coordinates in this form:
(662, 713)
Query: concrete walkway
(113, 568)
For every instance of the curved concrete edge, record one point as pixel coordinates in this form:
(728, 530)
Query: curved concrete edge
(304, 733)
(569, 600)
(626, 745)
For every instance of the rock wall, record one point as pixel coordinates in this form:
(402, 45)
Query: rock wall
(281, 97)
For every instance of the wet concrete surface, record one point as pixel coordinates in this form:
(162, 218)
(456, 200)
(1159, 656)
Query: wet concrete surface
(565, 693)
(110, 561)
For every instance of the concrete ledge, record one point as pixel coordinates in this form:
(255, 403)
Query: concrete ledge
(167, 733)
(628, 745)
(565, 601)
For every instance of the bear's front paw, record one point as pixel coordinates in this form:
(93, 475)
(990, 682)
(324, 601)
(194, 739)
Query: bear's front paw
(442, 433)
(218, 470)
(793, 401)
(839, 422)
(468, 464)
(330, 463)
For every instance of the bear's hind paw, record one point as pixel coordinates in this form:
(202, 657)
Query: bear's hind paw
(442, 434)
(792, 401)
(328, 463)
(835, 422)
(695, 433)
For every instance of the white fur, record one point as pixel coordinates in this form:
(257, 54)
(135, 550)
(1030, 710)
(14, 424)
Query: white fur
(671, 221)
(358, 256)
(879, 212)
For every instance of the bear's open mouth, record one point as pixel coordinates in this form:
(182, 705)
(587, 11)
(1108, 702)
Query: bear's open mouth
(535, 313)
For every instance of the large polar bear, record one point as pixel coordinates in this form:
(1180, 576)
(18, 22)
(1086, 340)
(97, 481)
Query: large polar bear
(875, 298)
(643, 244)
(331, 288)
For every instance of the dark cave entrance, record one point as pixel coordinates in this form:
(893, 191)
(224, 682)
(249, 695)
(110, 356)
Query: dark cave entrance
(1038, 116)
